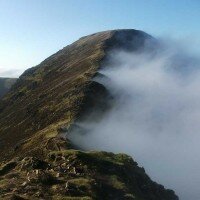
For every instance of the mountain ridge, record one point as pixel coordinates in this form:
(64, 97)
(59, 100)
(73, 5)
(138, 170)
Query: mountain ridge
(47, 99)
(46, 82)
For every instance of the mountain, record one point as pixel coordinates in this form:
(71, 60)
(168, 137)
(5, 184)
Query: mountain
(5, 85)
(37, 162)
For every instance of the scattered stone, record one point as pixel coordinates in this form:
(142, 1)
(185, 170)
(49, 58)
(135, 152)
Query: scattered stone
(74, 170)
(67, 185)
(24, 183)
(63, 158)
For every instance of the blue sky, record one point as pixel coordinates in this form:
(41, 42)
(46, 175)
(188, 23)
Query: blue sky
(31, 30)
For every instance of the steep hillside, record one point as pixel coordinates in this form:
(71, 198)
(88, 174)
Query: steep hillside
(5, 85)
(41, 106)
(52, 94)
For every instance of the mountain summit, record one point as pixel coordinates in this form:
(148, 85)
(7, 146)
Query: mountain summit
(43, 104)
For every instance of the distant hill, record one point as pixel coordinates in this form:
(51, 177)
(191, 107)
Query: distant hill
(5, 85)
(36, 161)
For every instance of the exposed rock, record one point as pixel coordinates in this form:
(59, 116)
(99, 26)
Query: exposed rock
(77, 174)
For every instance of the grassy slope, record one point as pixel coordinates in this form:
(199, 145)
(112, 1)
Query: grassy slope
(49, 95)
(47, 98)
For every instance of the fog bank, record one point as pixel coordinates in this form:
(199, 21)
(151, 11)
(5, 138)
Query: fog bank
(156, 117)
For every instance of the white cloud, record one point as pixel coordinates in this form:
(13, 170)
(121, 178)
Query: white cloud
(156, 118)
(10, 73)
